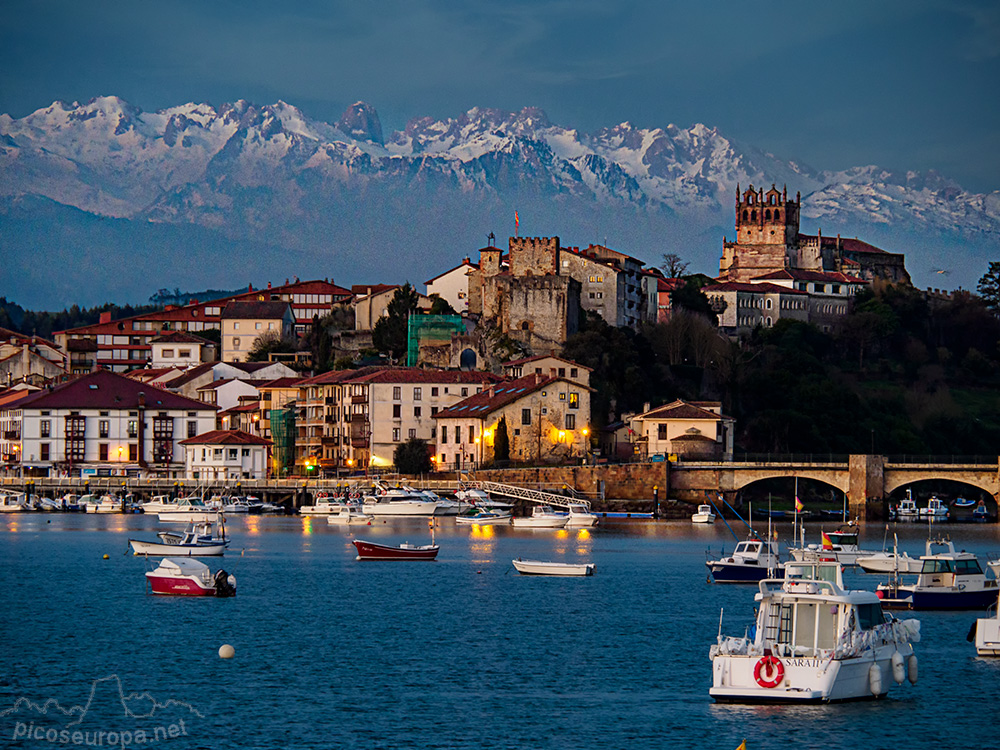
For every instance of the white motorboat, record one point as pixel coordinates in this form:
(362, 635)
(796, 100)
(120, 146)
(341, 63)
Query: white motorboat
(349, 513)
(325, 506)
(106, 504)
(540, 568)
(12, 502)
(704, 515)
(814, 641)
(542, 517)
(936, 510)
(396, 501)
(196, 541)
(840, 545)
(159, 502)
(751, 562)
(987, 629)
(887, 562)
(48, 505)
(484, 517)
(949, 580)
(579, 516)
(907, 509)
(480, 499)
(188, 510)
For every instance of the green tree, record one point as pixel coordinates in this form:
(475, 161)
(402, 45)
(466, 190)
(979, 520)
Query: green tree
(389, 334)
(412, 457)
(501, 443)
(441, 306)
(267, 343)
(989, 286)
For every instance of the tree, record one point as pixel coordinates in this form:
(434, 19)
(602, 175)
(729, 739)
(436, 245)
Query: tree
(266, 343)
(989, 286)
(501, 442)
(412, 457)
(441, 306)
(673, 266)
(390, 332)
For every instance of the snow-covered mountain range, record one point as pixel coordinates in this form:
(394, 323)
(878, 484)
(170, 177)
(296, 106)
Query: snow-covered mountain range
(198, 195)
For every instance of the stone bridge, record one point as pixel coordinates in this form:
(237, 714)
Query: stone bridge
(862, 477)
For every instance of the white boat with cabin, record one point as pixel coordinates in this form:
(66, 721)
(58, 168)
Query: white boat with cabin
(704, 515)
(542, 517)
(188, 510)
(396, 501)
(349, 513)
(840, 545)
(814, 642)
(579, 516)
(936, 510)
(12, 502)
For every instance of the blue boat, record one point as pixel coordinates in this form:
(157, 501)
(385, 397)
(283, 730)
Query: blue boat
(752, 561)
(947, 580)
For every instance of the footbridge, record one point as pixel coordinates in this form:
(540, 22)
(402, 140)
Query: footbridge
(524, 493)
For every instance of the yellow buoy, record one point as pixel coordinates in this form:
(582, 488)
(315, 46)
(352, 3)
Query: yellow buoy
(107, 557)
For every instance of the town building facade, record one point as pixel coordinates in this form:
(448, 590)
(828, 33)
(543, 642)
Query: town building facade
(225, 456)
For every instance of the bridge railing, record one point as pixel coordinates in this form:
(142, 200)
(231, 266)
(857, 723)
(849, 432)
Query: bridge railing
(938, 460)
(791, 458)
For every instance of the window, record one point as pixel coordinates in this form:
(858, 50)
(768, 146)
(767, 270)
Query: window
(236, 343)
(416, 411)
(233, 454)
(168, 353)
(572, 372)
(571, 421)
(434, 410)
(472, 433)
(163, 439)
(397, 393)
(236, 325)
(103, 428)
(45, 428)
(661, 432)
(412, 433)
(395, 434)
(43, 451)
(192, 429)
(257, 326)
(444, 434)
(434, 392)
(417, 394)
(562, 396)
(465, 392)
(396, 411)
(562, 372)
(102, 452)
(525, 416)
(184, 353)
(217, 453)
(574, 400)
(133, 452)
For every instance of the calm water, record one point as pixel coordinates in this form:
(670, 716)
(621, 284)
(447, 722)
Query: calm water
(458, 653)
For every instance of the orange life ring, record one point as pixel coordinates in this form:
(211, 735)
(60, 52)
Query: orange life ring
(769, 671)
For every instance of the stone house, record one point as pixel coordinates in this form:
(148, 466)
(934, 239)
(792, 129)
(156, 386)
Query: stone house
(696, 429)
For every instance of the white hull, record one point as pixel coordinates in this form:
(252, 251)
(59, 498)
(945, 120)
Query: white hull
(484, 521)
(401, 508)
(703, 518)
(806, 680)
(539, 568)
(349, 516)
(843, 556)
(157, 549)
(581, 520)
(540, 522)
(187, 516)
(321, 509)
(887, 562)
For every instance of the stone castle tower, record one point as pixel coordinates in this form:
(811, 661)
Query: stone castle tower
(767, 235)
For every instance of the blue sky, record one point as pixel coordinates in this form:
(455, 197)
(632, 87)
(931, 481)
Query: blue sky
(905, 85)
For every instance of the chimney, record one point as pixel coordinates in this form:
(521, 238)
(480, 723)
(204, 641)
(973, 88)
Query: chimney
(106, 317)
(645, 407)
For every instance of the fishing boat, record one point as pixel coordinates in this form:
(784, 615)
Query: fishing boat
(752, 561)
(935, 510)
(540, 568)
(186, 577)
(196, 541)
(404, 551)
(349, 513)
(947, 580)
(542, 517)
(907, 509)
(579, 516)
(814, 642)
(704, 515)
(962, 502)
(484, 517)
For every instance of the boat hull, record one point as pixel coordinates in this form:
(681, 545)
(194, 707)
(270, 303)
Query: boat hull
(483, 521)
(400, 509)
(988, 637)
(534, 522)
(187, 516)
(178, 586)
(886, 563)
(374, 551)
(158, 549)
(723, 572)
(540, 568)
(908, 597)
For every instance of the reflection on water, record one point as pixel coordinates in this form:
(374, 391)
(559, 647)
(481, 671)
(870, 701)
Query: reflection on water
(483, 543)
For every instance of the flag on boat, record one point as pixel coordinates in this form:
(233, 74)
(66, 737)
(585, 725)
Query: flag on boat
(799, 507)
(827, 542)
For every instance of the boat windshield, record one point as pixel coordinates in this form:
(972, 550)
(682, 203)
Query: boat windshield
(938, 566)
(869, 615)
(967, 567)
(813, 572)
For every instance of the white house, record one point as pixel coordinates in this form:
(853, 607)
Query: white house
(693, 429)
(180, 349)
(228, 392)
(225, 455)
(453, 285)
(103, 424)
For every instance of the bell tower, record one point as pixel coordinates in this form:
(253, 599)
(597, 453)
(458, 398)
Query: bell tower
(767, 218)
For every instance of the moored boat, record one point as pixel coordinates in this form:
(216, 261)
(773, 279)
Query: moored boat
(704, 515)
(484, 517)
(12, 502)
(196, 541)
(542, 568)
(752, 561)
(188, 510)
(542, 517)
(935, 510)
(840, 545)
(948, 580)
(186, 577)
(349, 513)
(404, 551)
(987, 632)
(579, 516)
(814, 641)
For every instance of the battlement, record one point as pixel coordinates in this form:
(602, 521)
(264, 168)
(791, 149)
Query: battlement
(534, 256)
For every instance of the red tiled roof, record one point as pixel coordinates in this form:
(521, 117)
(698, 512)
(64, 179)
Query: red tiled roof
(467, 263)
(363, 290)
(104, 389)
(281, 383)
(481, 404)
(225, 437)
(417, 375)
(827, 276)
(189, 375)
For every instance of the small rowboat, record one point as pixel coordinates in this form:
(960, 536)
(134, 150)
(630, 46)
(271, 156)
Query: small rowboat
(539, 568)
(405, 551)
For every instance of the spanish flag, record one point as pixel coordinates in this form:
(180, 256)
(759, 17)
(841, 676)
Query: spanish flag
(799, 507)
(827, 542)
(517, 223)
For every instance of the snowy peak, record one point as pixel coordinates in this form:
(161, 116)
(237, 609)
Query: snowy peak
(360, 122)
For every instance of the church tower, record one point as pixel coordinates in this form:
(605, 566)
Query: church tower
(767, 235)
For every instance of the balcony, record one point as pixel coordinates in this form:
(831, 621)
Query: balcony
(12, 435)
(359, 399)
(330, 401)
(359, 441)
(330, 440)
(330, 419)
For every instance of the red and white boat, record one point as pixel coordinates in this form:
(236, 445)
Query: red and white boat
(182, 576)
(404, 551)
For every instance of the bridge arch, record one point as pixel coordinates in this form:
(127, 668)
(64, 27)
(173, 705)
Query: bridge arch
(839, 480)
